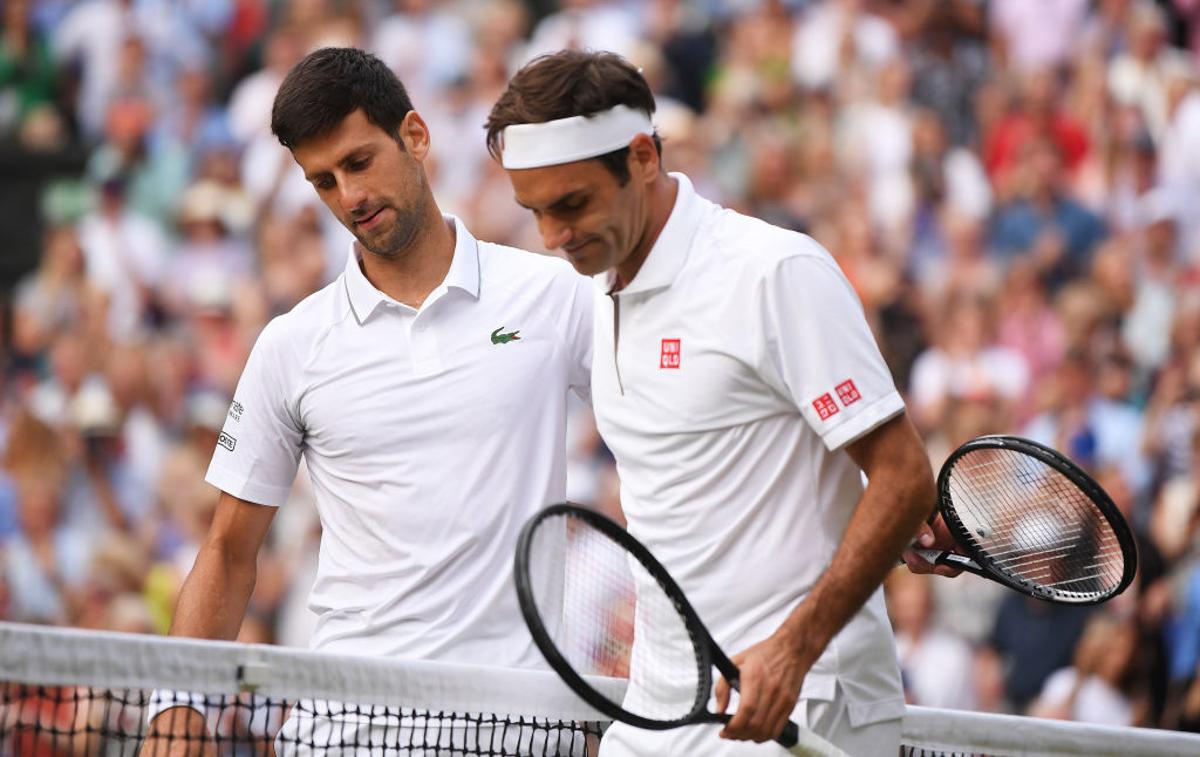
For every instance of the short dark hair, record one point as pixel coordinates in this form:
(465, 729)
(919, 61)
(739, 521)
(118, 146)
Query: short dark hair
(572, 83)
(330, 84)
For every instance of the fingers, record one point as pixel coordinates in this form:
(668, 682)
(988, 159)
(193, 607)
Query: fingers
(739, 725)
(933, 535)
(763, 709)
(722, 693)
(918, 564)
(925, 536)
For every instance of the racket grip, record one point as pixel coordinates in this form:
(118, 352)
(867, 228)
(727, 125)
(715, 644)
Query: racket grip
(805, 742)
(953, 559)
(790, 735)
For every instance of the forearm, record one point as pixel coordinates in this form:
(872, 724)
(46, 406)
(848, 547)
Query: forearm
(899, 496)
(214, 597)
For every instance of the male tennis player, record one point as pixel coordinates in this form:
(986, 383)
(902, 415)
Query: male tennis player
(426, 388)
(737, 383)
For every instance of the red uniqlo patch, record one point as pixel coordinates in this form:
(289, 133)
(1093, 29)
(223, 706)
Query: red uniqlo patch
(825, 406)
(670, 354)
(848, 393)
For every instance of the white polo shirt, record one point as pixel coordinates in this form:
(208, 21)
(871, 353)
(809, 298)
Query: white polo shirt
(430, 436)
(727, 378)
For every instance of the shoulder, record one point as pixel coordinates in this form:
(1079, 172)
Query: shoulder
(503, 262)
(762, 251)
(292, 335)
(539, 274)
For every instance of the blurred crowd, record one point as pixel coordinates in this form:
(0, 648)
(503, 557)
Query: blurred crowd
(1012, 186)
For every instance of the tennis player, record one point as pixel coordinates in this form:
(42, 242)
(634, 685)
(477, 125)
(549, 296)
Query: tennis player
(426, 389)
(743, 395)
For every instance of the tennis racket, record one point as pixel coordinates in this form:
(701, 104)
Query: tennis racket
(587, 588)
(1027, 517)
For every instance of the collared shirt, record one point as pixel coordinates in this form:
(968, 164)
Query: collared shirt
(728, 376)
(430, 435)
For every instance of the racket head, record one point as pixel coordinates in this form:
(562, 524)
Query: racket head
(1035, 521)
(597, 593)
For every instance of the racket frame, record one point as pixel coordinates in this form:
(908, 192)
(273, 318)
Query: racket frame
(986, 566)
(708, 654)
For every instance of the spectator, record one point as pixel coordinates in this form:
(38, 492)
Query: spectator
(28, 77)
(935, 665)
(1034, 639)
(1044, 223)
(1091, 690)
(966, 363)
(46, 559)
(125, 255)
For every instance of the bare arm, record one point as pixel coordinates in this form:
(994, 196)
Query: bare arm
(900, 494)
(211, 605)
(214, 597)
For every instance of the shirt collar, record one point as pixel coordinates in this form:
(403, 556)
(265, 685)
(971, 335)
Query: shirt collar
(463, 274)
(670, 250)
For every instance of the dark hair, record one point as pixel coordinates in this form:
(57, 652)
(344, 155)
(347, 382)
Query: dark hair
(330, 84)
(571, 83)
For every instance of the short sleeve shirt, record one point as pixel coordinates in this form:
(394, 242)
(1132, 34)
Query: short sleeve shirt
(728, 377)
(430, 436)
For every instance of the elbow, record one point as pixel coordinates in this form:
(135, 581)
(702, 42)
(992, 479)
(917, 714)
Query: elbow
(919, 491)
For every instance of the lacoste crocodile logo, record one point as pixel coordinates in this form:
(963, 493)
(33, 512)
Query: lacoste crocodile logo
(498, 338)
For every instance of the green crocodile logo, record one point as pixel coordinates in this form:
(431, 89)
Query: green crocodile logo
(498, 338)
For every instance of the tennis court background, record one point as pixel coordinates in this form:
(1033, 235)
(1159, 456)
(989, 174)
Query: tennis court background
(1010, 187)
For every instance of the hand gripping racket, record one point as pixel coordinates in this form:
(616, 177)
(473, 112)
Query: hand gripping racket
(1032, 520)
(587, 589)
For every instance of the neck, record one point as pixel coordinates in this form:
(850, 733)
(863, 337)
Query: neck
(409, 277)
(660, 201)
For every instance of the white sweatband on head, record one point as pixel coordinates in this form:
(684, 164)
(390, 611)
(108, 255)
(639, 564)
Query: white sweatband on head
(566, 140)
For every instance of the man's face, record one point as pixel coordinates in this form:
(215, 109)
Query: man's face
(582, 210)
(374, 185)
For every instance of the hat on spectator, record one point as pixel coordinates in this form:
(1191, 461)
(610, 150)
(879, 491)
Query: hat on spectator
(94, 411)
(202, 201)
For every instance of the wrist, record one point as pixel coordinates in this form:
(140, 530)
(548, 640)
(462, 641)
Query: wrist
(804, 635)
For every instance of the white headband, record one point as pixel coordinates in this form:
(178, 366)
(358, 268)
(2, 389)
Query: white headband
(566, 140)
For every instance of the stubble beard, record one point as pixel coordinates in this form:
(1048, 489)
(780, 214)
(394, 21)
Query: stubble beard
(398, 240)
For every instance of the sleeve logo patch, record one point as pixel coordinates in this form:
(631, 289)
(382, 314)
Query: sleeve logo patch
(235, 411)
(670, 354)
(825, 406)
(226, 441)
(847, 392)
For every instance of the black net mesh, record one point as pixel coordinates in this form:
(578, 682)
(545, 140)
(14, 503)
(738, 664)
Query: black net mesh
(57, 721)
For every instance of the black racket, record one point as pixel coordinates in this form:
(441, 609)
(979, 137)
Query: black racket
(1027, 517)
(587, 588)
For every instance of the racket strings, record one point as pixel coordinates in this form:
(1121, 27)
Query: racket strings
(594, 599)
(1035, 523)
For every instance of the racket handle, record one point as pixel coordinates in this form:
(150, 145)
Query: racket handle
(802, 741)
(953, 559)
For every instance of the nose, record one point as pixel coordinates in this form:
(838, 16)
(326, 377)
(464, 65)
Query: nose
(555, 234)
(351, 195)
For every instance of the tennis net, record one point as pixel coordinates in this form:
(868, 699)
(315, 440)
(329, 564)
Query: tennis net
(66, 692)
(71, 692)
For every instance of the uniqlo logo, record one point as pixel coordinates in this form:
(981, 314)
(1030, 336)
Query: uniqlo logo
(825, 406)
(848, 393)
(670, 354)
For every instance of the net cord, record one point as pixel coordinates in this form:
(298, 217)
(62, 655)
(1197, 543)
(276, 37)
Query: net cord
(72, 657)
(1015, 736)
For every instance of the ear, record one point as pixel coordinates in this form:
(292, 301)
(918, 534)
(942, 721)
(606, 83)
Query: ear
(644, 163)
(415, 135)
